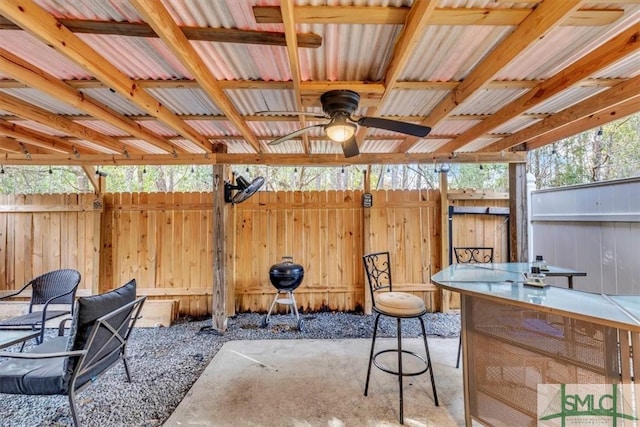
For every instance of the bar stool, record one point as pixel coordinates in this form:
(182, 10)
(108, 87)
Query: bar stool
(399, 306)
(471, 255)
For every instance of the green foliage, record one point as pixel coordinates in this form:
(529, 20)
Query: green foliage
(613, 152)
(43, 180)
(604, 153)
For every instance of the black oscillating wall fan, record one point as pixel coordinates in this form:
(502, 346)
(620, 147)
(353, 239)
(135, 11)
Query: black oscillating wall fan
(244, 189)
(338, 105)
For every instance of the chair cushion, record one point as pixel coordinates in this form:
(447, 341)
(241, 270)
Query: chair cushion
(399, 304)
(42, 376)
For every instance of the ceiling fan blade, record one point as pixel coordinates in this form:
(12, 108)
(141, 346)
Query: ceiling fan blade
(291, 113)
(293, 135)
(350, 147)
(395, 126)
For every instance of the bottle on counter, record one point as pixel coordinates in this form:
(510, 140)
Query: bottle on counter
(541, 263)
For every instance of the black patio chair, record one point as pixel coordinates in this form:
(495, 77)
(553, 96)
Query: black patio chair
(398, 306)
(471, 255)
(100, 329)
(54, 287)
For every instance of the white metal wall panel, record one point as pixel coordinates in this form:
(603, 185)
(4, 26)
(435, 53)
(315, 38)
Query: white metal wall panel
(593, 228)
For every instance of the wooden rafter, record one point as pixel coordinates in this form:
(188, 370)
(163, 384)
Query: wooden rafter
(259, 159)
(294, 62)
(51, 143)
(417, 19)
(38, 79)
(589, 122)
(609, 53)
(42, 116)
(38, 22)
(544, 17)
(141, 29)
(624, 92)
(442, 16)
(164, 25)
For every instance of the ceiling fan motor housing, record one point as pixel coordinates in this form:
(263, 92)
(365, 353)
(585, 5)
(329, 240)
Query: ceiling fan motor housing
(344, 102)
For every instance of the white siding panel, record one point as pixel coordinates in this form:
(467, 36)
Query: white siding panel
(593, 228)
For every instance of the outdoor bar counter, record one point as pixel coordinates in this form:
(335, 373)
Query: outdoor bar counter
(516, 336)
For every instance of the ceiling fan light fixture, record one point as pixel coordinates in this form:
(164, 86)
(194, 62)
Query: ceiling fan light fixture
(340, 130)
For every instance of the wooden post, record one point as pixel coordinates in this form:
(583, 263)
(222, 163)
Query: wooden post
(98, 208)
(445, 295)
(518, 234)
(219, 309)
(366, 243)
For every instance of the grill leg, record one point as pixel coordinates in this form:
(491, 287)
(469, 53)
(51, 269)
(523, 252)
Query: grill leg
(267, 318)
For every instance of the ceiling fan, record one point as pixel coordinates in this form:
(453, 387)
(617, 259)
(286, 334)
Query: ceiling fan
(338, 105)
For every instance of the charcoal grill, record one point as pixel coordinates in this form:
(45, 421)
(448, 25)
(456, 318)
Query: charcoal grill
(285, 276)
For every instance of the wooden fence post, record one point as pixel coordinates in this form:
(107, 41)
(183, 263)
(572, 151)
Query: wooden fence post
(219, 309)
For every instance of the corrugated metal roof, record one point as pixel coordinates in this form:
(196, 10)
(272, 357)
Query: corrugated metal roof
(487, 101)
(450, 52)
(42, 100)
(565, 99)
(350, 54)
(114, 101)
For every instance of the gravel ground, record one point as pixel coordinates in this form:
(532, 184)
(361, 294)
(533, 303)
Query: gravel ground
(165, 362)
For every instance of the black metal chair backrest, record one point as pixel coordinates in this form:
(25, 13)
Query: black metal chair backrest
(102, 327)
(473, 254)
(377, 267)
(54, 287)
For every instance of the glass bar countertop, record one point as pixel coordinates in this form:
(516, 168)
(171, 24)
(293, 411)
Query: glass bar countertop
(505, 281)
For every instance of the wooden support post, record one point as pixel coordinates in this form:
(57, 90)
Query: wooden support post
(445, 295)
(366, 237)
(96, 239)
(219, 309)
(518, 234)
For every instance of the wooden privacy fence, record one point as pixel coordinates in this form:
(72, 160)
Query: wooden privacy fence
(40, 233)
(165, 241)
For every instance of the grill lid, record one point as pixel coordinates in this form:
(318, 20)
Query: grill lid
(286, 274)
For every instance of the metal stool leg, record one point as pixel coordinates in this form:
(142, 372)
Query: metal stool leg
(429, 365)
(459, 351)
(399, 323)
(373, 344)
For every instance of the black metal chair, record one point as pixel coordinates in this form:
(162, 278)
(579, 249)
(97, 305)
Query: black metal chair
(54, 287)
(471, 255)
(63, 365)
(399, 306)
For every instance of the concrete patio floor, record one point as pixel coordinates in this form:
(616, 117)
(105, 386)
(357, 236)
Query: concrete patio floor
(319, 383)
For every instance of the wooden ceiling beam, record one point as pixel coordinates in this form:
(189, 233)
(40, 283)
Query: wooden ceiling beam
(51, 143)
(44, 26)
(590, 122)
(404, 49)
(32, 112)
(260, 159)
(309, 89)
(624, 92)
(607, 54)
(39, 79)
(163, 24)
(380, 15)
(141, 29)
(287, 8)
(538, 23)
